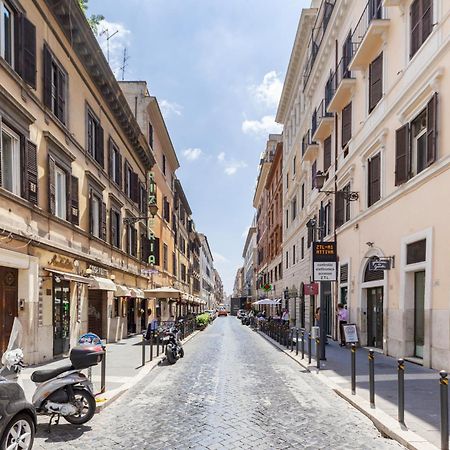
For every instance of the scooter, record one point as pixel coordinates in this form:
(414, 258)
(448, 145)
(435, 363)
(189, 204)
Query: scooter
(174, 347)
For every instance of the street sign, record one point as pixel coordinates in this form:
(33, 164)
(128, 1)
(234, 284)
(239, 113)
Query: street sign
(379, 264)
(324, 261)
(311, 289)
(267, 287)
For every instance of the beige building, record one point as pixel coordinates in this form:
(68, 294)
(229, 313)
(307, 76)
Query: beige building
(365, 104)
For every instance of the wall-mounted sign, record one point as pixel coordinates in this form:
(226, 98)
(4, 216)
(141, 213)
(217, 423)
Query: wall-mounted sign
(311, 289)
(379, 264)
(324, 261)
(153, 257)
(267, 287)
(99, 271)
(61, 261)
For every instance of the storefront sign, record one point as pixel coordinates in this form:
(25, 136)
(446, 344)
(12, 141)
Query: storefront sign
(351, 333)
(99, 271)
(324, 261)
(61, 261)
(311, 289)
(379, 264)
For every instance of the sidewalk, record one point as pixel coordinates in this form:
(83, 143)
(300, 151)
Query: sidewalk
(422, 407)
(123, 368)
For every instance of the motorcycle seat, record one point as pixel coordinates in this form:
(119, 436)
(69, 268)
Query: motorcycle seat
(44, 375)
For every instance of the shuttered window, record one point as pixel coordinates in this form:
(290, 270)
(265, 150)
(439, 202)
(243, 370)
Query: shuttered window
(346, 124)
(74, 207)
(166, 210)
(401, 155)
(339, 209)
(421, 14)
(313, 174)
(26, 51)
(95, 138)
(31, 174)
(327, 154)
(343, 273)
(374, 179)
(114, 163)
(115, 227)
(375, 81)
(97, 215)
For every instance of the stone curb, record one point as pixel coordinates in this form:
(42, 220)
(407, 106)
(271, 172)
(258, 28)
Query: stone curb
(382, 421)
(111, 396)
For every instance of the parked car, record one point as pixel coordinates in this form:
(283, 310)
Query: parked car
(222, 312)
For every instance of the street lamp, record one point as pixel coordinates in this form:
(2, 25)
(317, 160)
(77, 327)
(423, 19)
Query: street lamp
(319, 181)
(132, 220)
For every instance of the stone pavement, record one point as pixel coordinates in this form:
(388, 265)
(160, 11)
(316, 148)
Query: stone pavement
(231, 391)
(422, 410)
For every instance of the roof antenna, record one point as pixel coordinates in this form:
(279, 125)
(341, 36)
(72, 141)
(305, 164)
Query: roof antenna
(124, 62)
(108, 37)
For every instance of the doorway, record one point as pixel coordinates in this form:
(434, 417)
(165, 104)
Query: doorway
(8, 304)
(419, 313)
(61, 316)
(95, 312)
(131, 315)
(143, 313)
(375, 317)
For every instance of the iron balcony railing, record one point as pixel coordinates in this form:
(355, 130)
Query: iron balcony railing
(314, 123)
(317, 34)
(342, 72)
(322, 111)
(306, 141)
(373, 10)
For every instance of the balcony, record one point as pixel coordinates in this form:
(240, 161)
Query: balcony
(318, 32)
(310, 149)
(342, 85)
(322, 122)
(369, 35)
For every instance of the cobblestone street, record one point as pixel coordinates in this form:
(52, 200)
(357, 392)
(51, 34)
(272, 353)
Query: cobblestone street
(232, 390)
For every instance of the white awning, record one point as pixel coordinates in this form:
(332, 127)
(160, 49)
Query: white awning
(136, 292)
(104, 284)
(163, 292)
(69, 276)
(122, 291)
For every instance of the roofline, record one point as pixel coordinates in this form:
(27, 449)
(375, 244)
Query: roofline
(251, 231)
(183, 197)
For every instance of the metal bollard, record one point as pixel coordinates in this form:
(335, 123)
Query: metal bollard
(372, 378)
(103, 374)
(296, 341)
(157, 344)
(444, 409)
(292, 340)
(353, 369)
(317, 353)
(309, 348)
(401, 390)
(143, 350)
(303, 344)
(286, 337)
(151, 346)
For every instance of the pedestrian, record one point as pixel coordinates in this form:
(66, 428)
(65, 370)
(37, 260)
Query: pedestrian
(152, 327)
(285, 317)
(342, 315)
(317, 317)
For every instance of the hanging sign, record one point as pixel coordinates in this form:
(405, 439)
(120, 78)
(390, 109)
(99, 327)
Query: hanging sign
(324, 261)
(311, 289)
(153, 257)
(379, 264)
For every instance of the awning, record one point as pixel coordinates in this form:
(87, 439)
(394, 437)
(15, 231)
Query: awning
(267, 301)
(69, 276)
(122, 291)
(136, 292)
(104, 284)
(163, 292)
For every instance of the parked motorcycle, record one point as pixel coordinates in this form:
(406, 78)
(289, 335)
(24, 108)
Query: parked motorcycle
(172, 342)
(66, 391)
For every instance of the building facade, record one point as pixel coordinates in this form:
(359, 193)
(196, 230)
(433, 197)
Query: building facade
(207, 273)
(363, 108)
(250, 261)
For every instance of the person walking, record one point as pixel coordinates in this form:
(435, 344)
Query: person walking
(342, 314)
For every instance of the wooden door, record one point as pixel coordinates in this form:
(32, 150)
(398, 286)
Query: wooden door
(8, 304)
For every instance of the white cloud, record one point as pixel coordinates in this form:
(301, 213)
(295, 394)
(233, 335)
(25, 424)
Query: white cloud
(169, 109)
(191, 154)
(221, 156)
(219, 258)
(231, 166)
(269, 91)
(261, 127)
(116, 43)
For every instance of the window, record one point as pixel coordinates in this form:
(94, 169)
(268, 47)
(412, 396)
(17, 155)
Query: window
(94, 138)
(310, 235)
(416, 144)
(164, 164)
(10, 161)
(166, 210)
(342, 206)
(346, 124)
(287, 260)
(55, 85)
(326, 154)
(294, 164)
(60, 193)
(302, 248)
(313, 174)
(131, 184)
(287, 181)
(7, 33)
(293, 254)
(375, 81)
(150, 134)
(183, 272)
(165, 257)
(374, 180)
(303, 195)
(115, 163)
(294, 208)
(327, 219)
(421, 13)
(97, 215)
(115, 227)
(131, 240)
(287, 218)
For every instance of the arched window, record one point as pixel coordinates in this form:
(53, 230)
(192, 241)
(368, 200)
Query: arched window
(373, 275)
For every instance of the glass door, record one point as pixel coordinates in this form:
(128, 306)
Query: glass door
(375, 317)
(419, 313)
(61, 316)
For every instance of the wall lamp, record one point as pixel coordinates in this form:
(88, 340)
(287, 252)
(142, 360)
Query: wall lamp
(153, 208)
(319, 181)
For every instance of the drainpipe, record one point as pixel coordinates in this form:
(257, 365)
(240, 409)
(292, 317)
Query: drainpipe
(336, 147)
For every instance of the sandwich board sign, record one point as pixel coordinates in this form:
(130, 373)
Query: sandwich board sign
(324, 261)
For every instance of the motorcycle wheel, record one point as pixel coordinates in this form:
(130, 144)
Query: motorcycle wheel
(171, 358)
(86, 404)
(19, 431)
(181, 352)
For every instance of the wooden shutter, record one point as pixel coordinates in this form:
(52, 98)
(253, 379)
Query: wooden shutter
(110, 159)
(414, 13)
(431, 129)
(402, 155)
(27, 52)
(74, 195)
(47, 77)
(1, 151)
(134, 241)
(126, 188)
(327, 154)
(51, 184)
(100, 145)
(134, 187)
(32, 173)
(346, 124)
(91, 216)
(427, 19)
(103, 221)
(375, 81)
(61, 89)
(374, 180)
(339, 209)
(119, 170)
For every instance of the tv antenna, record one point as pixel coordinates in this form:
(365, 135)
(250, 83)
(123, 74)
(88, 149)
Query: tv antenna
(108, 37)
(124, 62)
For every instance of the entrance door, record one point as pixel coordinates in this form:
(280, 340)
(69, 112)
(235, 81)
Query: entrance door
(375, 317)
(61, 316)
(419, 313)
(131, 318)
(143, 313)
(95, 312)
(8, 304)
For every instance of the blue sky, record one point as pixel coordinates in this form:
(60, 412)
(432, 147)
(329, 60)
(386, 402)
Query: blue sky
(217, 68)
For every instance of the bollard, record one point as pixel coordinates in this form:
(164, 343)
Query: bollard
(143, 350)
(317, 353)
(309, 348)
(286, 337)
(296, 341)
(303, 344)
(151, 345)
(353, 369)
(103, 374)
(157, 344)
(372, 378)
(292, 340)
(444, 409)
(401, 390)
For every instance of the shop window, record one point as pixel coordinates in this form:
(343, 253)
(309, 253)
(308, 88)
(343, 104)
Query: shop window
(416, 252)
(116, 307)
